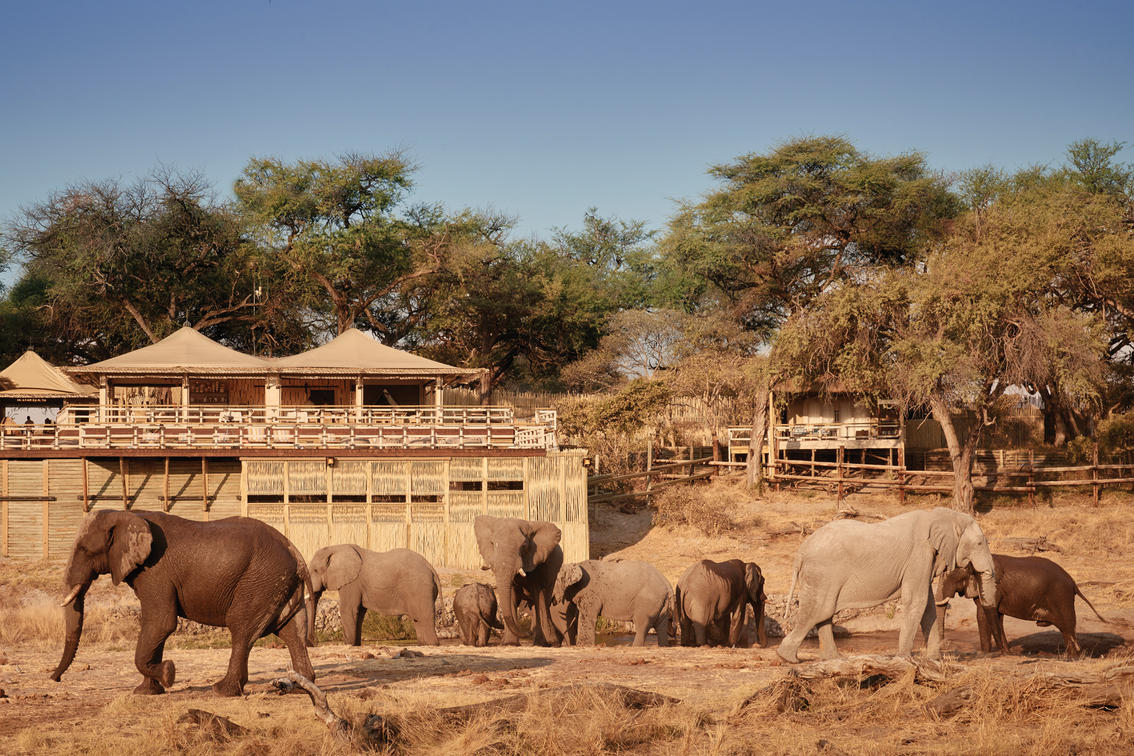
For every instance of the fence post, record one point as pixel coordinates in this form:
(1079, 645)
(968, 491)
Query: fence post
(649, 466)
(1095, 488)
(839, 459)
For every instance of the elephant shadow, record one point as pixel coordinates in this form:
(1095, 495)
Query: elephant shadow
(621, 528)
(1050, 643)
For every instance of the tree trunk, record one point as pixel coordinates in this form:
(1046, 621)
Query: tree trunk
(961, 454)
(755, 469)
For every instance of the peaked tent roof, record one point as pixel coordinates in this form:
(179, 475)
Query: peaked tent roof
(185, 351)
(354, 352)
(32, 377)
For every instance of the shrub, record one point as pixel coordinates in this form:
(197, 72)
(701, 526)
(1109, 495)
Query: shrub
(689, 506)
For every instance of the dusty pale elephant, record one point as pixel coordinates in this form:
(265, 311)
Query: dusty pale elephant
(716, 595)
(853, 565)
(394, 582)
(1028, 588)
(237, 573)
(525, 556)
(475, 608)
(617, 590)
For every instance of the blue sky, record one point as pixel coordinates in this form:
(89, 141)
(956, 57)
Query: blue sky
(542, 110)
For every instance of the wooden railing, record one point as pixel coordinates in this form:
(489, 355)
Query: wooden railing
(658, 476)
(315, 428)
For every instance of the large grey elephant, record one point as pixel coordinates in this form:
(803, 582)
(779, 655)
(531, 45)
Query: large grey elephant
(392, 582)
(617, 590)
(852, 565)
(237, 573)
(525, 556)
(715, 596)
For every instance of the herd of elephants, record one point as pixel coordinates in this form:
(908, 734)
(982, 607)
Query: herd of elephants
(243, 574)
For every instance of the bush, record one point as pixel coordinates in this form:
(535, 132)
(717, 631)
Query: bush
(691, 506)
(1116, 436)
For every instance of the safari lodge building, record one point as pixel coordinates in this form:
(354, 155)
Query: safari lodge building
(351, 442)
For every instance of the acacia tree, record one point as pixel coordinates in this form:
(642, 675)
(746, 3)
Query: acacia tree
(122, 266)
(335, 226)
(953, 335)
(794, 223)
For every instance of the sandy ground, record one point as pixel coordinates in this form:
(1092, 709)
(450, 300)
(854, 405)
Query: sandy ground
(104, 672)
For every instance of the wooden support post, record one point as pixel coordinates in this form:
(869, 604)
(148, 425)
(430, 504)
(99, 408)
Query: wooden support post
(716, 443)
(691, 460)
(166, 503)
(4, 505)
(902, 474)
(205, 486)
(649, 466)
(122, 475)
(86, 487)
(1096, 490)
(812, 463)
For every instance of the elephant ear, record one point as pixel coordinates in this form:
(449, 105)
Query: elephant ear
(130, 541)
(753, 580)
(568, 576)
(484, 527)
(545, 537)
(343, 566)
(944, 536)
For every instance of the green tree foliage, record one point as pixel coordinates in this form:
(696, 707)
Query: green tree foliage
(788, 225)
(982, 314)
(336, 228)
(123, 266)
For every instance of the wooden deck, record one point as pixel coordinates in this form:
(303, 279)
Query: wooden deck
(311, 429)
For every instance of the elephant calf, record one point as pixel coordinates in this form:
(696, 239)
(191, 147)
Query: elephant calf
(393, 582)
(475, 607)
(716, 595)
(619, 591)
(1028, 588)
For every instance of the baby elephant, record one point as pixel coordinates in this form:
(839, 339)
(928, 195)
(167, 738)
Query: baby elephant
(475, 607)
(617, 590)
(716, 595)
(392, 582)
(1029, 588)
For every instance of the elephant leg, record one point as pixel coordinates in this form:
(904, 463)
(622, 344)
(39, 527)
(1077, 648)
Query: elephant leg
(465, 628)
(661, 627)
(807, 618)
(293, 637)
(157, 625)
(826, 632)
(996, 619)
(686, 630)
(482, 633)
(984, 628)
(700, 633)
(352, 617)
(913, 599)
(232, 684)
(641, 627)
(929, 629)
(736, 624)
(1066, 626)
(588, 619)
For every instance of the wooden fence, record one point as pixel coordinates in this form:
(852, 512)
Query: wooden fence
(843, 476)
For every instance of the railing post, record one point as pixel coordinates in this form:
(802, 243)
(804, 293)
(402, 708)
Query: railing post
(839, 459)
(1096, 491)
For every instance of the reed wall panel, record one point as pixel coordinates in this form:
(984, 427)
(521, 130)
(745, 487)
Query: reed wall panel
(507, 504)
(505, 468)
(348, 525)
(307, 477)
(429, 478)
(25, 518)
(309, 527)
(464, 506)
(65, 514)
(146, 484)
(349, 478)
(465, 469)
(224, 489)
(390, 478)
(264, 477)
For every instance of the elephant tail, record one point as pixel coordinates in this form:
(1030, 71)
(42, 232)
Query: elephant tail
(1079, 593)
(794, 579)
(438, 600)
(309, 594)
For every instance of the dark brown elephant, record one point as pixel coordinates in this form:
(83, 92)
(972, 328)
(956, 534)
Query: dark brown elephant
(1028, 588)
(527, 552)
(475, 608)
(715, 596)
(237, 573)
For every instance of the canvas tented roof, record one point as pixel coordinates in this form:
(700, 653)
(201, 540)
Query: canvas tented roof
(353, 352)
(185, 351)
(32, 377)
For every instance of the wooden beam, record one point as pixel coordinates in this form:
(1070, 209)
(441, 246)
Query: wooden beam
(46, 506)
(166, 503)
(4, 510)
(86, 488)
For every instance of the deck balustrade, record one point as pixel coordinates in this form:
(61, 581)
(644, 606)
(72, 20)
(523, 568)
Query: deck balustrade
(313, 428)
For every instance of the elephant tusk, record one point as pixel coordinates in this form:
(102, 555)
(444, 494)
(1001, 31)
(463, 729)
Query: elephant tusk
(941, 603)
(71, 596)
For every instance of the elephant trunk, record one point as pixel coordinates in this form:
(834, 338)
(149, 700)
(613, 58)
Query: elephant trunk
(508, 604)
(761, 631)
(941, 604)
(73, 616)
(986, 573)
(312, 610)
